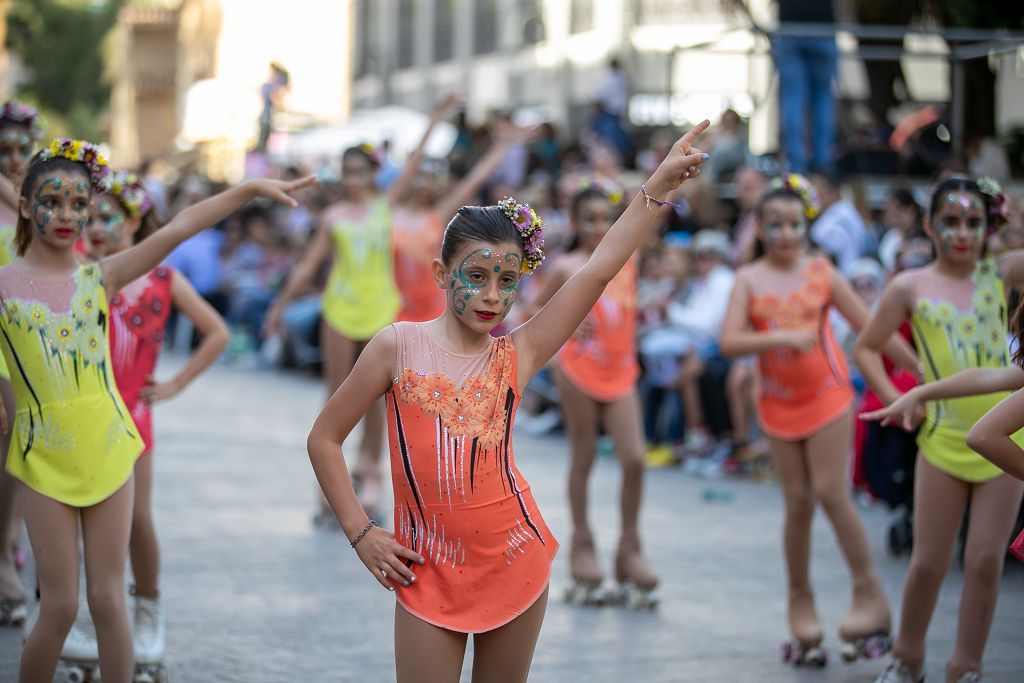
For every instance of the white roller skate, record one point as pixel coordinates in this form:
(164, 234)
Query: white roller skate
(637, 581)
(148, 638)
(81, 654)
(805, 648)
(587, 579)
(898, 672)
(13, 612)
(865, 629)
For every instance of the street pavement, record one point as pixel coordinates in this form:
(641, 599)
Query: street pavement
(254, 593)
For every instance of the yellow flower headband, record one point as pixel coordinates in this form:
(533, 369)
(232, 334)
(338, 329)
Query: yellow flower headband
(530, 228)
(126, 187)
(802, 187)
(84, 153)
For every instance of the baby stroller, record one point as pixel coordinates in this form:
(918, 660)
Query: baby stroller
(888, 466)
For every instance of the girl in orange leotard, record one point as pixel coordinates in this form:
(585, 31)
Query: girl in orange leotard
(465, 518)
(596, 378)
(779, 310)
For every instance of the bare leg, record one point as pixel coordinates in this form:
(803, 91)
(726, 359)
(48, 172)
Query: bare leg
(505, 654)
(794, 477)
(735, 394)
(939, 502)
(106, 528)
(689, 378)
(828, 452)
(425, 653)
(623, 422)
(994, 506)
(144, 547)
(53, 532)
(580, 413)
(11, 587)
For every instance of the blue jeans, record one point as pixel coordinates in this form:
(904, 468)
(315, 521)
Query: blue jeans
(806, 67)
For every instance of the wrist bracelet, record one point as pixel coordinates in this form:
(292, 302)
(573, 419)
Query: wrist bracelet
(362, 533)
(649, 199)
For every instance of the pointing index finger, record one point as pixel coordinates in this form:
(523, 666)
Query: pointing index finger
(691, 135)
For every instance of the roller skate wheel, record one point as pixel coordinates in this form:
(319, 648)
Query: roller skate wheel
(877, 646)
(81, 674)
(584, 594)
(150, 673)
(786, 652)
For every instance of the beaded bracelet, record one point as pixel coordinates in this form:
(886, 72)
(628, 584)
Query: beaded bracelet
(363, 532)
(648, 198)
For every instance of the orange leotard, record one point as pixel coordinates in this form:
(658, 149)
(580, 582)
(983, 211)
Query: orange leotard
(801, 392)
(603, 363)
(460, 500)
(417, 237)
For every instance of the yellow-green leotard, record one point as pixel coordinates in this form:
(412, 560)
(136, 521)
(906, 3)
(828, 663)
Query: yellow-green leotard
(949, 341)
(73, 439)
(8, 252)
(361, 297)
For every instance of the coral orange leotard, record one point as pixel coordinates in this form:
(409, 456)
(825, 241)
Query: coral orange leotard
(417, 238)
(138, 318)
(801, 392)
(460, 500)
(603, 363)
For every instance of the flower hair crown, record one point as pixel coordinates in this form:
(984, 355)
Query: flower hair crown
(803, 188)
(999, 208)
(612, 192)
(18, 112)
(531, 231)
(84, 153)
(126, 187)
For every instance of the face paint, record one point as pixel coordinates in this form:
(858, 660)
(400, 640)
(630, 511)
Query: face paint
(111, 219)
(471, 277)
(45, 204)
(956, 211)
(776, 220)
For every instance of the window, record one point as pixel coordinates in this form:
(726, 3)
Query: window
(444, 30)
(581, 18)
(406, 33)
(365, 38)
(485, 26)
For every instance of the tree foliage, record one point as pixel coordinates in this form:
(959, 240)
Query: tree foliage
(60, 44)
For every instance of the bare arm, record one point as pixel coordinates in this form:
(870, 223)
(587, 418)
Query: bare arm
(397, 191)
(369, 380)
(1011, 268)
(316, 253)
(212, 329)
(542, 335)
(893, 308)
(972, 382)
(481, 171)
(737, 339)
(8, 193)
(856, 313)
(131, 264)
(990, 436)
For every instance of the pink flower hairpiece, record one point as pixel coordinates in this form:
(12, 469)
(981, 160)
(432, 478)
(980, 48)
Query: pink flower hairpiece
(84, 153)
(19, 112)
(126, 187)
(803, 188)
(531, 232)
(999, 208)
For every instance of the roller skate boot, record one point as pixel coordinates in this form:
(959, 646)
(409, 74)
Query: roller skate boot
(969, 677)
(805, 648)
(637, 581)
(12, 612)
(865, 629)
(80, 654)
(898, 672)
(587, 578)
(148, 638)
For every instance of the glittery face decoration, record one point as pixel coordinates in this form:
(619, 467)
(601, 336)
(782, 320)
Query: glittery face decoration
(15, 152)
(960, 223)
(107, 221)
(487, 278)
(783, 223)
(59, 195)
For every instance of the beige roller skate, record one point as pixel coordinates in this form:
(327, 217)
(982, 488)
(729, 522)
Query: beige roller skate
(865, 629)
(587, 578)
(637, 581)
(805, 647)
